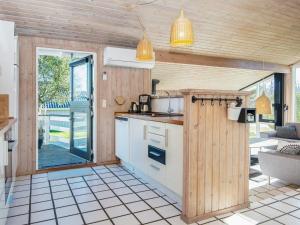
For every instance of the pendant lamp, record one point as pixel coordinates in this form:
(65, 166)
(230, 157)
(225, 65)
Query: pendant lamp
(144, 50)
(263, 104)
(182, 32)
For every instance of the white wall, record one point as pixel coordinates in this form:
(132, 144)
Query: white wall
(8, 75)
(162, 104)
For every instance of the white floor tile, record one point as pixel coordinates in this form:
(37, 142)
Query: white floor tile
(17, 220)
(85, 198)
(41, 206)
(94, 182)
(129, 219)
(139, 188)
(105, 222)
(94, 216)
(48, 222)
(75, 180)
(78, 185)
(254, 216)
(271, 222)
(61, 194)
(269, 212)
(58, 182)
(137, 206)
(147, 194)
(130, 198)
(40, 191)
(40, 198)
(161, 222)
(122, 191)
(168, 211)
(64, 202)
(108, 202)
(71, 220)
(296, 213)
(293, 201)
(60, 188)
(283, 207)
(81, 191)
(288, 220)
(207, 220)
(148, 216)
(104, 194)
(42, 215)
(89, 206)
(116, 211)
(19, 210)
(102, 187)
(116, 185)
(132, 182)
(67, 211)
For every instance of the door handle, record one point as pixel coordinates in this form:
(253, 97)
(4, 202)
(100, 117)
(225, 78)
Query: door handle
(166, 137)
(155, 141)
(145, 132)
(154, 153)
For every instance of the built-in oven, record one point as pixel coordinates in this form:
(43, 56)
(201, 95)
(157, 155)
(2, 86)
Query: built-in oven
(157, 154)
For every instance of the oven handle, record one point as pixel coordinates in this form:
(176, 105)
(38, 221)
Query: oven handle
(154, 153)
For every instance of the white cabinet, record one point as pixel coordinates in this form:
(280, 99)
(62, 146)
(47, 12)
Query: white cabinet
(122, 138)
(174, 158)
(138, 144)
(166, 137)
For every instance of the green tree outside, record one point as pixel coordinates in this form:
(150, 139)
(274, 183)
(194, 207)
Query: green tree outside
(54, 79)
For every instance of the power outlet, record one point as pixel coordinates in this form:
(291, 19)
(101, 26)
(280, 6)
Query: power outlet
(104, 76)
(103, 103)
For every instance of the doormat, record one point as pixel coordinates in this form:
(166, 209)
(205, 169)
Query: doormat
(70, 173)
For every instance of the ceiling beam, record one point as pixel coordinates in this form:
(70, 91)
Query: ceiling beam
(183, 58)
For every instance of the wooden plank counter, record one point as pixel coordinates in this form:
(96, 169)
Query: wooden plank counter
(216, 157)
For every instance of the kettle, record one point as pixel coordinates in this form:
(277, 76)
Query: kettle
(134, 107)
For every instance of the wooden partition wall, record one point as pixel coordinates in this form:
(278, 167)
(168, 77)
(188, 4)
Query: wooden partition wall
(216, 156)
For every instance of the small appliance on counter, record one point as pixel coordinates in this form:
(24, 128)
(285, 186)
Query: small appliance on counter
(145, 103)
(134, 108)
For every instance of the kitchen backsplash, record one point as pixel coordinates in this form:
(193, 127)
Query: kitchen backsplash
(162, 104)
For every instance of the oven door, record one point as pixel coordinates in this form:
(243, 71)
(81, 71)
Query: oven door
(157, 154)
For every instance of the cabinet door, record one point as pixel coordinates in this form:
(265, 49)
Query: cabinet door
(174, 158)
(138, 144)
(122, 139)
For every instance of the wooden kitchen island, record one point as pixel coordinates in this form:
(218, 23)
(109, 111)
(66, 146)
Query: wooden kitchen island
(216, 155)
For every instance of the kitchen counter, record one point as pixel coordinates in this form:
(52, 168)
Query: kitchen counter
(6, 125)
(177, 120)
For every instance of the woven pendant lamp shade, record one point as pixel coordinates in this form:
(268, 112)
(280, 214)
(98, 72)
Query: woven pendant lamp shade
(144, 50)
(182, 32)
(263, 104)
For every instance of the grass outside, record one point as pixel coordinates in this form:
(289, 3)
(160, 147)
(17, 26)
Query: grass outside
(66, 134)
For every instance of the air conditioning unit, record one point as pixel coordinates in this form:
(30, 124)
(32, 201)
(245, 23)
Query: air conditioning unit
(125, 58)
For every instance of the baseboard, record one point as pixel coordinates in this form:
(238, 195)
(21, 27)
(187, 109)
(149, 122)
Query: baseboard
(190, 220)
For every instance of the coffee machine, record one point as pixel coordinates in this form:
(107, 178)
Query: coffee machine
(145, 103)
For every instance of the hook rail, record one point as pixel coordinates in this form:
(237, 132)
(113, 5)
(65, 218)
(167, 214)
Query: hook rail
(238, 100)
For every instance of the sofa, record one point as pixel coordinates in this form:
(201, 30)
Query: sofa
(280, 165)
(283, 166)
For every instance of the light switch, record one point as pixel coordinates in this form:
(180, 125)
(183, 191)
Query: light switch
(103, 103)
(104, 76)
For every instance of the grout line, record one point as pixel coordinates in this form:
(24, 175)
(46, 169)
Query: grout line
(76, 203)
(53, 205)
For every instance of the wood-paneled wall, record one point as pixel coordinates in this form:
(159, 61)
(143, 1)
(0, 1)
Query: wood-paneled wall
(121, 81)
(216, 157)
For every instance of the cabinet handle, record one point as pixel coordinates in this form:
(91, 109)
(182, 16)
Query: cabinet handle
(145, 132)
(166, 137)
(154, 153)
(155, 127)
(155, 167)
(155, 141)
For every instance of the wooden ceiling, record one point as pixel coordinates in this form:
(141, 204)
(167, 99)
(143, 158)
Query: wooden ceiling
(179, 76)
(262, 30)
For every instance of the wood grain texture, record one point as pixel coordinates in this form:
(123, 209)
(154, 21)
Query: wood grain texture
(256, 30)
(121, 81)
(216, 152)
(4, 107)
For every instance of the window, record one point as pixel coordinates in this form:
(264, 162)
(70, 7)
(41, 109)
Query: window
(297, 93)
(265, 122)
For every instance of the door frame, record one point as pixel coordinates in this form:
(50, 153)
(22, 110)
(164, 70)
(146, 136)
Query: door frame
(94, 123)
(86, 108)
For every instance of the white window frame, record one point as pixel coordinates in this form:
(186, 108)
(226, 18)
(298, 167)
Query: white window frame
(294, 108)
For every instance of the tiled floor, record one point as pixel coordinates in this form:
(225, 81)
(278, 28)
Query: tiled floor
(112, 195)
